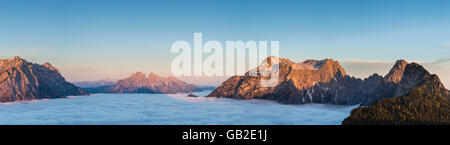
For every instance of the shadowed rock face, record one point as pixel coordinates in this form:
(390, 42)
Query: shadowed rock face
(416, 76)
(413, 75)
(139, 83)
(22, 80)
(324, 81)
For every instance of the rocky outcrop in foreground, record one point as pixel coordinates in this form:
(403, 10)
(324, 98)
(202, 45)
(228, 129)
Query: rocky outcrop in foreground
(21, 80)
(326, 82)
(139, 83)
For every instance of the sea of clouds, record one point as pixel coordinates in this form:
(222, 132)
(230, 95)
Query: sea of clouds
(167, 110)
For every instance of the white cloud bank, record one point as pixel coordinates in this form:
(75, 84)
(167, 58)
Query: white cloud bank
(167, 110)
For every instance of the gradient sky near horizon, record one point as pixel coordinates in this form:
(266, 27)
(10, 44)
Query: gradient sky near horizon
(99, 39)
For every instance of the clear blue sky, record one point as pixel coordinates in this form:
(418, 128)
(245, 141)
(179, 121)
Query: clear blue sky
(90, 39)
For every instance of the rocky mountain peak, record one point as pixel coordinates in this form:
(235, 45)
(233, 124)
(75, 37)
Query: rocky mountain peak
(22, 80)
(12, 62)
(51, 67)
(17, 58)
(396, 72)
(413, 68)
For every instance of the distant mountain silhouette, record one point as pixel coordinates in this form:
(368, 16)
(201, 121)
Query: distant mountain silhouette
(139, 83)
(21, 80)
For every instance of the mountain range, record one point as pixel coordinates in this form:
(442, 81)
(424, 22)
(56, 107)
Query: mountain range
(407, 95)
(326, 82)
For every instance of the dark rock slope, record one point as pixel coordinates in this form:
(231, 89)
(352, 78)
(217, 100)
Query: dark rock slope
(324, 81)
(22, 80)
